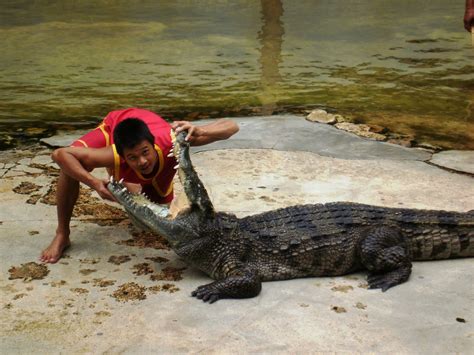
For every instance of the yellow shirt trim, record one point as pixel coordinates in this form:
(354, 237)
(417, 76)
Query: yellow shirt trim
(116, 163)
(106, 135)
(161, 193)
(81, 141)
(154, 182)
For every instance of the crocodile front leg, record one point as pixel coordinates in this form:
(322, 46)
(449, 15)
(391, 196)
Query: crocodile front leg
(193, 186)
(384, 253)
(239, 284)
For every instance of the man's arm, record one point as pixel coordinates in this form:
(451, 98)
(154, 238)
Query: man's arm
(77, 162)
(469, 15)
(205, 134)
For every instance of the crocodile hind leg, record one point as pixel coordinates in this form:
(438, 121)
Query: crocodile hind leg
(243, 284)
(384, 253)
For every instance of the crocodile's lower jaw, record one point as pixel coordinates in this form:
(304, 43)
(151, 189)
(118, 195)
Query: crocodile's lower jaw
(136, 203)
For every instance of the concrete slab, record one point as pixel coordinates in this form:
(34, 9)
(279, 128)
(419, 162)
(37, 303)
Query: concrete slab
(294, 133)
(456, 160)
(73, 309)
(249, 181)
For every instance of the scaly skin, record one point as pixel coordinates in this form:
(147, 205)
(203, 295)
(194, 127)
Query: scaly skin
(299, 241)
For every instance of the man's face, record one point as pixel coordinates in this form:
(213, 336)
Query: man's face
(142, 157)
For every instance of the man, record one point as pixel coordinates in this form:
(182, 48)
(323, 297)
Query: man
(132, 144)
(469, 15)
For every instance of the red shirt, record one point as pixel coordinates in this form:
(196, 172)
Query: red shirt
(158, 188)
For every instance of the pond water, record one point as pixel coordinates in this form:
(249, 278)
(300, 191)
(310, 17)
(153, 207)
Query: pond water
(402, 64)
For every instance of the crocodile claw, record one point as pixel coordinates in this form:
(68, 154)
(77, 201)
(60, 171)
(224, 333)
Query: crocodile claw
(379, 282)
(389, 279)
(207, 293)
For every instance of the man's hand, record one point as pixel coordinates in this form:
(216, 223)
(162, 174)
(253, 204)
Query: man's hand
(469, 15)
(101, 187)
(208, 133)
(194, 132)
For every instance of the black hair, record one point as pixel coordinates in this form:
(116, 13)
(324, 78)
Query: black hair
(130, 132)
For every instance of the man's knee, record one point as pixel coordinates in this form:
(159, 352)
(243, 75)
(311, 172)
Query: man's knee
(56, 154)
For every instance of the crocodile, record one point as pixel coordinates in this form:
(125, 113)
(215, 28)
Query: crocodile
(299, 241)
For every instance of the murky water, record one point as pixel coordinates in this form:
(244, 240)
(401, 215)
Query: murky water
(402, 64)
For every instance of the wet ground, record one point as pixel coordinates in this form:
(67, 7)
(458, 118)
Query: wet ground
(117, 290)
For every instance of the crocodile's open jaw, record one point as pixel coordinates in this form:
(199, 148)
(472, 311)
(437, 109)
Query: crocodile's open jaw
(148, 215)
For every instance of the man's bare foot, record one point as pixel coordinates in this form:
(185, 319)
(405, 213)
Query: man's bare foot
(55, 250)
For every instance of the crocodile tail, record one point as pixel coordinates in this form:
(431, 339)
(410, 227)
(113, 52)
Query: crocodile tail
(443, 244)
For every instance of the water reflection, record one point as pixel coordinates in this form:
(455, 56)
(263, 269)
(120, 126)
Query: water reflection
(407, 66)
(271, 39)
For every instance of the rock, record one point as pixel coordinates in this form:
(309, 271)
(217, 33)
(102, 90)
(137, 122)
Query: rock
(404, 142)
(6, 141)
(339, 118)
(322, 116)
(378, 129)
(27, 169)
(361, 130)
(455, 159)
(34, 131)
(43, 159)
(12, 173)
(26, 188)
(192, 116)
(24, 161)
(428, 146)
(62, 139)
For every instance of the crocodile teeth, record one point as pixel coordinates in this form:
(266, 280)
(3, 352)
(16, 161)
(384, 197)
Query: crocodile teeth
(170, 155)
(123, 190)
(176, 166)
(111, 179)
(121, 181)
